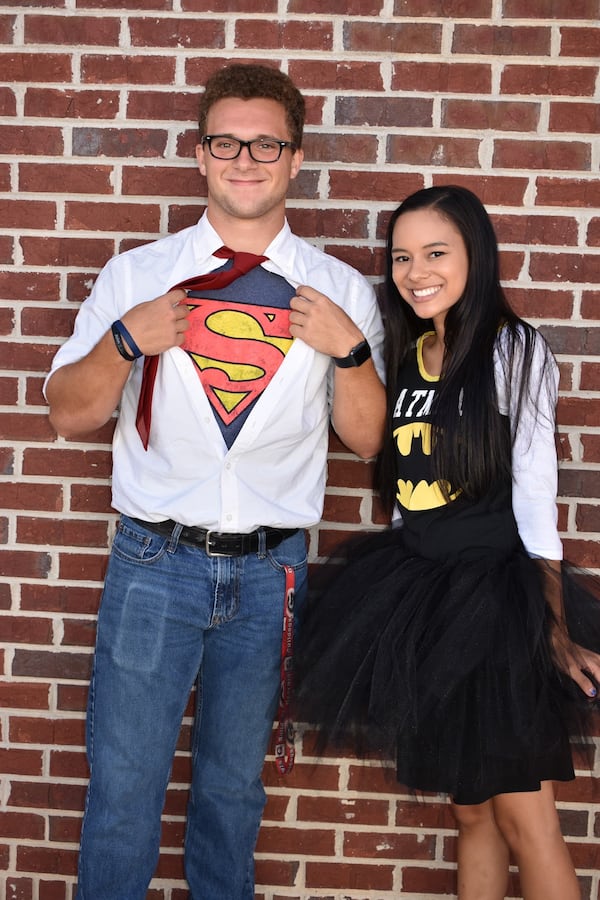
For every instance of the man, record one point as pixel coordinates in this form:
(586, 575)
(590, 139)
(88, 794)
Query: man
(219, 466)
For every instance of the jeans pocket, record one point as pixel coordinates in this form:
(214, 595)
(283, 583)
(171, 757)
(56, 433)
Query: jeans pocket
(133, 543)
(290, 552)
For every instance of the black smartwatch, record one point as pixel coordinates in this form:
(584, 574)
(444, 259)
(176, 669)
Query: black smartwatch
(357, 356)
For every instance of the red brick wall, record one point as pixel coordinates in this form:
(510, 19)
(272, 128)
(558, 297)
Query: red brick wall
(98, 108)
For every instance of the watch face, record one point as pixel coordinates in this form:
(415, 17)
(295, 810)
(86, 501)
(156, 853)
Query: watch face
(357, 356)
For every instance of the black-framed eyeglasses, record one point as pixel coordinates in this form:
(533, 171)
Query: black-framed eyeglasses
(262, 150)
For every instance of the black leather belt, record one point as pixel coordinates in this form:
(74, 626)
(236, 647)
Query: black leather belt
(217, 543)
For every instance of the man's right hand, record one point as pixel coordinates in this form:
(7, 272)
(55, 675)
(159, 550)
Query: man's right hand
(83, 395)
(159, 324)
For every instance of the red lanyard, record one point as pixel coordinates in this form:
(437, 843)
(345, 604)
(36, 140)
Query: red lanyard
(284, 747)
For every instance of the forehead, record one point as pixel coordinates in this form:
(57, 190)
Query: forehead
(424, 226)
(247, 119)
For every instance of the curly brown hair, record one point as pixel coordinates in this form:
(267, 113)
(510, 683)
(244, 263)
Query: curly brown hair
(249, 81)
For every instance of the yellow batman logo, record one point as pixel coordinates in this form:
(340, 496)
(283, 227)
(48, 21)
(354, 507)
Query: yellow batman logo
(422, 495)
(405, 434)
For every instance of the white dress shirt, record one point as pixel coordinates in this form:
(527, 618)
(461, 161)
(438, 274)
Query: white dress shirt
(275, 472)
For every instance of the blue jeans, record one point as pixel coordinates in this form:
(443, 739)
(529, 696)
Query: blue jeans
(170, 616)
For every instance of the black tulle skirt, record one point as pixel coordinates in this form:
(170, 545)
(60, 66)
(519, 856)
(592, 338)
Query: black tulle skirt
(445, 667)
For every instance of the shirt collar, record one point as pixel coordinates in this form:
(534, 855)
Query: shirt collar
(280, 252)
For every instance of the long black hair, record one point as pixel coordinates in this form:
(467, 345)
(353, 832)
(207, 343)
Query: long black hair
(471, 447)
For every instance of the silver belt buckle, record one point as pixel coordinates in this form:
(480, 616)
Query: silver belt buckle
(207, 547)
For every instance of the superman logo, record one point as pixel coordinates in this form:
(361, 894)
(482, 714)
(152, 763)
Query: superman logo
(237, 348)
(422, 495)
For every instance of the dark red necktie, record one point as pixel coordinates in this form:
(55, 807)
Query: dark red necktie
(242, 263)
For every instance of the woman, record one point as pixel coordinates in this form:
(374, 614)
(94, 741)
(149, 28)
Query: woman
(444, 640)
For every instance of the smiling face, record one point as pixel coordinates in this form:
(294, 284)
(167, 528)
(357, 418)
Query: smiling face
(430, 264)
(241, 189)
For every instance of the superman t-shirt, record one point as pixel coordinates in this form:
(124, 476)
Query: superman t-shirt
(237, 338)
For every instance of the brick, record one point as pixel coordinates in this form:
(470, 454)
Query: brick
(69, 103)
(551, 9)
(47, 795)
(553, 155)
(499, 115)
(536, 229)
(31, 730)
(347, 224)
(579, 41)
(342, 509)
(19, 888)
(37, 67)
(416, 880)
(305, 841)
(577, 483)
(433, 150)
(61, 598)
(283, 34)
(64, 829)
(502, 40)
(21, 825)
(117, 142)
(7, 457)
(567, 192)
(39, 322)
(358, 149)
(72, 697)
(382, 112)
(353, 876)
(590, 305)
(8, 102)
(175, 32)
(250, 6)
(333, 7)
(17, 761)
(25, 495)
(593, 233)
(531, 303)
(402, 37)
(70, 177)
(125, 4)
(28, 213)
(49, 860)
(62, 532)
(27, 427)
(79, 633)
(29, 286)
(587, 517)
(162, 181)
(112, 216)
(573, 117)
(78, 31)
(25, 629)
(590, 376)
(7, 320)
(82, 566)
(442, 77)
(91, 498)
(574, 267)
(333, 75)
(388, 187)
(9, 391)
(572, 81)
(24, 695)
(69, 463)
(170, 106)
(389, 845)
(52, 664)
(121, 69)
(578, 411)
(582, 553)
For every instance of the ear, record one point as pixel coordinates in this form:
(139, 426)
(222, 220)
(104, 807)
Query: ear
(297, 160)
(200, 158)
